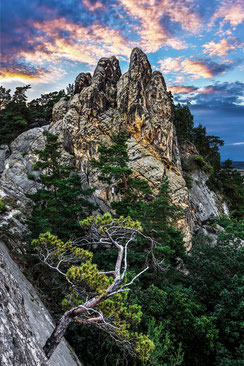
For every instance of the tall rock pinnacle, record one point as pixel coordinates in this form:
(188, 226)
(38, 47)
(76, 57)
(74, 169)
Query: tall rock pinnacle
(136, 102)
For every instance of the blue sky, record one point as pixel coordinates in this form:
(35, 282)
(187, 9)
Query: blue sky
(197, 46)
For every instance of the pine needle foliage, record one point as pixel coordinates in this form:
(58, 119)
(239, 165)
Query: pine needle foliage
(61, 202)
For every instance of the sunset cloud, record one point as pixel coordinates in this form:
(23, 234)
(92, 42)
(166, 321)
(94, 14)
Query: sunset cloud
(223, 47)
(231, 12)
(65, 40)
(195, 68)
(181, 89)
(154, 30)
(92, 5)
(215, 95)
(26, 74)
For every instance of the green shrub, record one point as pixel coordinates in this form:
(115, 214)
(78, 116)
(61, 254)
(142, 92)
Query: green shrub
(188, 179)
(2, 206)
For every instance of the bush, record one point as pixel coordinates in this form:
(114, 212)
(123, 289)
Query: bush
(2, 206)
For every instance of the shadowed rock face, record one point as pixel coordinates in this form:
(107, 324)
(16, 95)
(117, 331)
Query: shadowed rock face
(25, 323)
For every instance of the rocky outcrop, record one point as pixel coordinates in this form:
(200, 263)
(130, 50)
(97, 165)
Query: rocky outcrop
(25, 323)
(138, 103)
(204, 203)
(105, 104)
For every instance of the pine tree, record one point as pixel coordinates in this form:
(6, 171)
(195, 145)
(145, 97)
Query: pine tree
(113, 164)
(157, 215)
(61, 202)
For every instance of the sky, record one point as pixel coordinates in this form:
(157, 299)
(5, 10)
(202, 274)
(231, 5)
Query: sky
(196, 44)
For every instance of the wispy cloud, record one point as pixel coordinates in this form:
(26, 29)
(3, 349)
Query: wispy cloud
(155, 16)
(16, 71)
(217, 95)
(93, 5)
(181, 89)
(231, 12)
(195, 68)
(238, 143)
(223, 47)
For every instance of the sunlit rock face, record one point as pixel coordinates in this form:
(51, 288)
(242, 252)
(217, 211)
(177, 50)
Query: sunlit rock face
(101, 106)
(138, 103)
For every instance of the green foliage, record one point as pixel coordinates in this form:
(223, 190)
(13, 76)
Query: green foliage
(14, 115)
(183, 120)
(216, 276)
(113, 165)
(18, 116)
(234, 227)
(207, 146)
(86, 278)
(188, 179)
(61, 202)
(42, 107)
(156, 215)
(231, 184)
(2, 206)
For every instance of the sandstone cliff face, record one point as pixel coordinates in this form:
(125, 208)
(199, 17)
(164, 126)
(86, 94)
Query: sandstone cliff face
(137, 102)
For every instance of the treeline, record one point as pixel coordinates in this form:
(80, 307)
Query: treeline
(189, 306)
(223, 178)
(17, 115)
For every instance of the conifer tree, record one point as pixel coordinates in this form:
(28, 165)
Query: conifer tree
(113, 164)
(61, 202)
(157, 215)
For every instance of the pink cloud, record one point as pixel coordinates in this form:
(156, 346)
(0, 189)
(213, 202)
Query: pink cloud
(35, 75)
(84, 44)
(181, 89)
(90, 6)
(232, 12)
(222, 48)
(195, 68)
(152, 31)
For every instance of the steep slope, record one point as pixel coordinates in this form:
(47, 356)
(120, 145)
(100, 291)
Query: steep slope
(25, 323)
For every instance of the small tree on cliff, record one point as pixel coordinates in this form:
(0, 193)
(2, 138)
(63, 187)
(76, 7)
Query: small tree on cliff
(156, 214)
(113, 165)
(95, 297)
(60, 203)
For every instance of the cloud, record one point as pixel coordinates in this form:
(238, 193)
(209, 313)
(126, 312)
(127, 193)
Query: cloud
(223, 47)
(16, 71)
(232, 12)
(93, 5)
(219, 95)
(196, 68)
(64, 40)
(238, 143)
(181, 89)
(155, 19)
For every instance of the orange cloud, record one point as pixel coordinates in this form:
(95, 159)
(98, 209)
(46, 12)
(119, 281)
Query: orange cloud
(195, 68)
(33, 76)
(181, 89)
(222, 48)
(232, 12)
(83, 44)
(152, 31)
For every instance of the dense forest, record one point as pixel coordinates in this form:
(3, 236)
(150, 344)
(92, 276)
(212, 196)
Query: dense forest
(182, 308)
